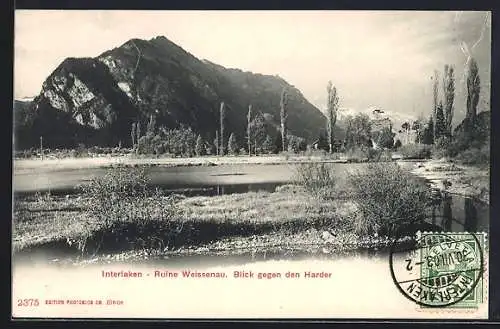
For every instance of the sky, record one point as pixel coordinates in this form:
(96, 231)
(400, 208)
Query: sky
(378, 59)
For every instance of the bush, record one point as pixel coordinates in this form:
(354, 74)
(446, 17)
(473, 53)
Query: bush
(200, 146)
(115, 186)
(463, 142)
(121, 198)
(316, 153)
(26, 154)
(388, 198)
(384, 138)
(397, 144)
(415, 151)
(442, 148)
(374, 155)
(364, 154)
(463, 148)
(150, 144)
(475, 156)
(295, 144)
(357, 154)
(316, 178)
(385, 156)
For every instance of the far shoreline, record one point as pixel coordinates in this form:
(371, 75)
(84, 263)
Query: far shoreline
(127, 160)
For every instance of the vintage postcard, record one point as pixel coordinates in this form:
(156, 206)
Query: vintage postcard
(251, 164)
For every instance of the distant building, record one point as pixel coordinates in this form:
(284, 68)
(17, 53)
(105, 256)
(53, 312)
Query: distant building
(380, 120)
(337, 145)
(379, 124)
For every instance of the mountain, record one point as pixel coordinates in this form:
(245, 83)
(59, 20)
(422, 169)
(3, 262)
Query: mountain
(21, 105)
(94, 101)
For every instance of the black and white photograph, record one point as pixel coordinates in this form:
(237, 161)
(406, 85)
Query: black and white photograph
(251, 164)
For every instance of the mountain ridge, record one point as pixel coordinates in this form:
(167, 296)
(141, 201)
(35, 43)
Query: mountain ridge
(94, 100)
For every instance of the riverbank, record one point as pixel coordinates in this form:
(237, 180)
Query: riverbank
(289, 217)
(444, 174)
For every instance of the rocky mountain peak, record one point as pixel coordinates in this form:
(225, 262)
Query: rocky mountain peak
(97, 99)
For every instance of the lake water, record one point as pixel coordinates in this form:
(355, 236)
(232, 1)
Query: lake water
(167, 177)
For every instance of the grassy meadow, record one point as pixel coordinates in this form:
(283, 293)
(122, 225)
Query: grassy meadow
(198, 221)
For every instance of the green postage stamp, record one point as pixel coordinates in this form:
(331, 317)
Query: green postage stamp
(443, 270)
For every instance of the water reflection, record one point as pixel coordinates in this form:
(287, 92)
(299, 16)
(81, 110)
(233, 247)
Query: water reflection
(455, 213)
(221, 189)
(470, 211)
(447, 212)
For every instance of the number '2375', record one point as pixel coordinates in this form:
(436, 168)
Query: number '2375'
(28, 302)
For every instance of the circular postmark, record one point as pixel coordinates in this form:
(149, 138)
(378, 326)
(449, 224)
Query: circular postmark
(437, 269)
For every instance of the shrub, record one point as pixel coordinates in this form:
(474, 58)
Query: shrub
(397, 144)
(295, 144)
(120, 198)
(316, 178)
(475, 156)
(463, 142)
(286, 154)
(357, 154)
(384, 138)
(373, 154)
(150, 144)
(44, 199)
(364, 154)
(115, 186)
(79, 152)
(385, 156)
(415, 151)
(232, 145)
(200, 146)
(317, 153)
(442, 148)
(388, 198)
(26, 154)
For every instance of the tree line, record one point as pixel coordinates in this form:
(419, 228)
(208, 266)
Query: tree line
(259, 137)
(360, 131)
(184, 141)
(437, 129)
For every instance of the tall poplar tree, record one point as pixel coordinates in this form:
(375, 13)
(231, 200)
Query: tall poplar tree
(222, 119)
(440, 124)
(283, 117)
(331, 113)
(435, 94)
(473, 89)
(249, 129)
(449, 97)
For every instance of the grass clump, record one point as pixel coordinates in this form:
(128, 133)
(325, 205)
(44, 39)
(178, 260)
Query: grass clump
(389, 199)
